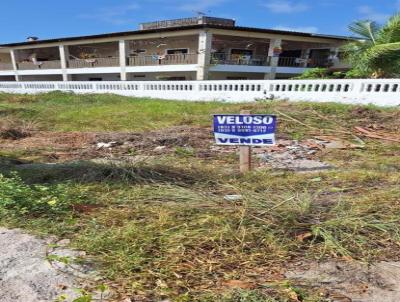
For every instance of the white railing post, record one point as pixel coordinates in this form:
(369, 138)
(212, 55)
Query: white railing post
(14, 64)
(122, 58)
(204, 55)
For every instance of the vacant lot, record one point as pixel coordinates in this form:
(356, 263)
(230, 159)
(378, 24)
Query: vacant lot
(140, 187)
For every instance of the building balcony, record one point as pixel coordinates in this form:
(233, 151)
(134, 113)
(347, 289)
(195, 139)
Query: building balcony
(93, 62)
(153, 60)
(226, 59)
(55, 64)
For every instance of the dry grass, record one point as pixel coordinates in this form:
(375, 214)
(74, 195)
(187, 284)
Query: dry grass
(161, 228)
(14, 129)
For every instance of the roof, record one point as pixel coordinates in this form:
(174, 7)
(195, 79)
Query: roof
(172, 29)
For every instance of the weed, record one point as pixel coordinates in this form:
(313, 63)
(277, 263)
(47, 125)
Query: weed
(18, 199)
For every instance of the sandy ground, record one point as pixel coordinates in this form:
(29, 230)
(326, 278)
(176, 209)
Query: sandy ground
(352, 281)
(25, 273)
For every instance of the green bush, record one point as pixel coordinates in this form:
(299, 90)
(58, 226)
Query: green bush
(19, 199)
(314, 73)
(325, 73)
(356, 74)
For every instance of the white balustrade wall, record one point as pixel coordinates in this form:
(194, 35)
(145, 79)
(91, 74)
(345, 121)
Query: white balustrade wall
(384, 92)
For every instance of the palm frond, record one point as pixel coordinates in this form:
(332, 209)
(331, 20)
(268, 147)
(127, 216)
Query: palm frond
(387, 51)
(368, 30)
(390, 32)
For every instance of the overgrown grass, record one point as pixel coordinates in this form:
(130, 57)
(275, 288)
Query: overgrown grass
(68, 112)
(163, 230)
(58, 111)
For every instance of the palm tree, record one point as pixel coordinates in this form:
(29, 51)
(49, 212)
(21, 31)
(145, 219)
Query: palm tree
(376, 52)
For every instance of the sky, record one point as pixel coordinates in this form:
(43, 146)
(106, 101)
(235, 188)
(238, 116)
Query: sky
(62, 18)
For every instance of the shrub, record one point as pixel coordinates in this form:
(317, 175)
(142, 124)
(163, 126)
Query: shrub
(315, 73)
(321, 73)
(19, 199)
(355, 74)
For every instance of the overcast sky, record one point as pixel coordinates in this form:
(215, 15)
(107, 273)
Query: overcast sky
(55, 18)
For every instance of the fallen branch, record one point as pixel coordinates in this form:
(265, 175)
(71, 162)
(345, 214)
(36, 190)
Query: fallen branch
(382, 136)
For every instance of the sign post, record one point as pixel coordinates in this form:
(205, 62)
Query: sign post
(245, 130)
(245, 152)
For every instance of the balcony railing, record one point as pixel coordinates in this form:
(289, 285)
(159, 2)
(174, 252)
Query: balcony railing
(319, 62)
(187, 22)
(6, 66)
(305, 63)
(56, 64)
(262, 60)
(95, 62)
(226, 59)
(291, 62)
(177, 59)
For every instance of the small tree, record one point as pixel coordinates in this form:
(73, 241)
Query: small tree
(377, 51)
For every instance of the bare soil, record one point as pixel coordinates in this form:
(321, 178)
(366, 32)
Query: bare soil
(26, 274)
(51, 147)
(351, 281)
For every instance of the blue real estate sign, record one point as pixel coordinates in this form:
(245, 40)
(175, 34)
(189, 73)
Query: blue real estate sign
(245, 130)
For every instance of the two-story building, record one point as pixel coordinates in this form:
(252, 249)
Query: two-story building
(197, 48)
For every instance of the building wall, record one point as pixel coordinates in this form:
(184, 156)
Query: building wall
(92, 77)
(34, 78)
(5, 58)
(156, 76)
(7, 78)
(150, 76)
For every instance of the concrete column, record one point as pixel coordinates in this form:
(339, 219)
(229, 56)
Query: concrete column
(123, 58)
(306, 56)
(64, 56)
(14, 64)
(204, 56)
(274, 43)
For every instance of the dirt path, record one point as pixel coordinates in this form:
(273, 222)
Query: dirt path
(25, 273)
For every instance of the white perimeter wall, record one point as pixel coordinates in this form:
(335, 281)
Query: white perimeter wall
(379, 92)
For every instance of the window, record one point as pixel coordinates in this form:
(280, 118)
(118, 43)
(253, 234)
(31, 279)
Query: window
(95, 79)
